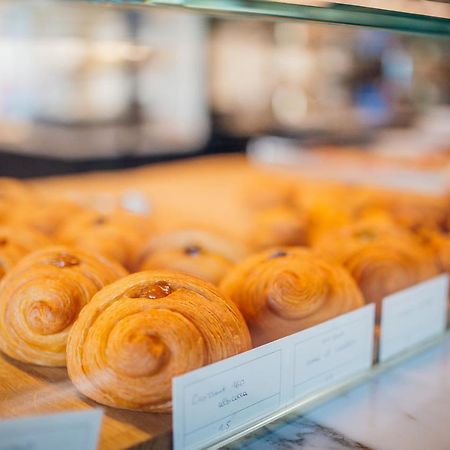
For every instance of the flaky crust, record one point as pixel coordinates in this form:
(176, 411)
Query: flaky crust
(116, 235)
(41, 297)
(204, 254)
(139, 332)
(284, 290)
(15, 243)
(381, 259)
(279, 226)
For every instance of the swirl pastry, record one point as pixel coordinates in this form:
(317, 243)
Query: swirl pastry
(116, 235)
(15, 244)
(200, 253)
(381, 259)
(41, 297)
(282, 291)
(139, 332)
(279, 226)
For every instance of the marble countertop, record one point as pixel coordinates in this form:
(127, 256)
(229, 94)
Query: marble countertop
(407, 407)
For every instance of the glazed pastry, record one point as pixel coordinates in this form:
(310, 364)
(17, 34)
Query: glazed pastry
(285, 290)
(279, 226)
(41, 297)
(116, 235)
(381, 259)
(15, 243)
(204, 254)
(139, 332)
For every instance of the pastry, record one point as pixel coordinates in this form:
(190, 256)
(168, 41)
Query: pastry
(204, 254)
(284, 290)
(139, 332)
(15, 243)
(382, 259)
(116, 235)
(279, 226)
(41, 297)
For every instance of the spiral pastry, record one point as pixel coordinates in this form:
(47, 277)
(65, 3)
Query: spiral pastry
(139, 332)
(15, 243)
(284, 290)
(115, 235)
(381, 259)
(279, 226)
(204, 254)
(41, 297)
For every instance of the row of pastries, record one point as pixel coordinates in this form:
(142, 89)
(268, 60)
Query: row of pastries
(127, 301)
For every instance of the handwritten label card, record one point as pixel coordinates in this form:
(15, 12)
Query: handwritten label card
(333, 351)
(413, 316)
(69, 431)
(215, 400)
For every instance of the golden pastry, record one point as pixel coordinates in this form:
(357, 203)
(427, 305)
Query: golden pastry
(284, 290)
(41, 297)
(15, 243)
(141, 331)
(382, 259)
(116, 235)
(204, 254)
(279, 226)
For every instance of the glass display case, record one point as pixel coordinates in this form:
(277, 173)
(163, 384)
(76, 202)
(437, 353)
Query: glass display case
(224, 224)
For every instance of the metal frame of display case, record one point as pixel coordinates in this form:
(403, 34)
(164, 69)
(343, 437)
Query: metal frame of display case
(347, 13)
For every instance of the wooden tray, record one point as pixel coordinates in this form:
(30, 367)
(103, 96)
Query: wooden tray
(27, 390)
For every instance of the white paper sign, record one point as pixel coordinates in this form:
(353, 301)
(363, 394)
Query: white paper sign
(333, 351)
(66, 431)
(413, 316)
(213, 402)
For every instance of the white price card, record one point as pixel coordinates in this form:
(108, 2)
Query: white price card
(215, 400)
(333, 351)
(413, 316)
(68, 431)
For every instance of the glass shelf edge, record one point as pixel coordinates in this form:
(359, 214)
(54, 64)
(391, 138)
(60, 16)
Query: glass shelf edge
(334, 13)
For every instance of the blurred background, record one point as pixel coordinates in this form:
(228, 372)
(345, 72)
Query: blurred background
(85, 87)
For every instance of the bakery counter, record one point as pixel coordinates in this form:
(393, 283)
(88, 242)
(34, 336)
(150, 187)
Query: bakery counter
(404, 408)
